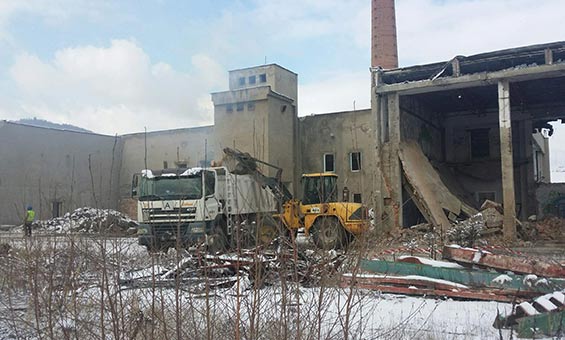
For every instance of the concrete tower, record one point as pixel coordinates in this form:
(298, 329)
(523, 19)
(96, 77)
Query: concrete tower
(384, 51)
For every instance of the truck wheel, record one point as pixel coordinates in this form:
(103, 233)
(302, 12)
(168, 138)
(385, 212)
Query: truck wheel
(217, 241)
(328, 233)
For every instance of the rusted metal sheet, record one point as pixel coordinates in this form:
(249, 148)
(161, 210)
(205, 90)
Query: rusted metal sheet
(519, 284)
(515, 264)
(420, 287)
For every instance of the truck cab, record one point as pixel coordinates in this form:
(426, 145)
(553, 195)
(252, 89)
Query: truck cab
(182, 207)
(176, 206)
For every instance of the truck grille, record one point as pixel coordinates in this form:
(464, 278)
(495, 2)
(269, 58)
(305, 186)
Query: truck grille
(158, 215)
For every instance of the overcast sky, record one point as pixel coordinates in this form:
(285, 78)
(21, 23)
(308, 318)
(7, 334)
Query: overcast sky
(119, 66)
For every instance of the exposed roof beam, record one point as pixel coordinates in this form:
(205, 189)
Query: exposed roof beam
(474, 80)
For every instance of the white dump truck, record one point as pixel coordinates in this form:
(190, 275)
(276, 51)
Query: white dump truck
(181, 207)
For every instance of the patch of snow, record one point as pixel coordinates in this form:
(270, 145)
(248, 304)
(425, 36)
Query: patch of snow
(191, 172)
(502, 279)
(409, 277)
(433, 263)
(559, 296)
(545, 303)
(542, 282)
(530, 279)
(147, 173)
(528, 308)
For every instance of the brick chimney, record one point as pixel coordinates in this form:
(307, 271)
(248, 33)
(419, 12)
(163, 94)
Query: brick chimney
(384, 52)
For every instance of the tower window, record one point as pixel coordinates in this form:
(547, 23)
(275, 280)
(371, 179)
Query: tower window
(241, 81)
(355, 161)
(229, 108)
(252, 80)
(329, 163)
(251, 106)
(239, 107)
(263, 78)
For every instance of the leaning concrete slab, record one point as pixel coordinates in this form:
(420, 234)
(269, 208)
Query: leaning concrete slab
(432, 197)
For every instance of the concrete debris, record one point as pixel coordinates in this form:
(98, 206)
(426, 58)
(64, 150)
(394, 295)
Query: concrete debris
(89, 220)
(199, 273)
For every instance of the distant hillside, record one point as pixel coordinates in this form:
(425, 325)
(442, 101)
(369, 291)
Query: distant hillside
(51, 125)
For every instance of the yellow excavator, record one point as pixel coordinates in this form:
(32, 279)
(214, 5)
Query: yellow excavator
(332, 224)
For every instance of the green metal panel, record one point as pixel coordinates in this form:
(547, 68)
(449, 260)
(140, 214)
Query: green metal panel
(549, 324)
(469, 277)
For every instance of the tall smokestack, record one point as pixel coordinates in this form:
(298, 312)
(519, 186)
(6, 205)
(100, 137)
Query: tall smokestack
(384, 52)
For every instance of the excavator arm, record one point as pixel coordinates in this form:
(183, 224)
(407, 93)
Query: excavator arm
(242, 163)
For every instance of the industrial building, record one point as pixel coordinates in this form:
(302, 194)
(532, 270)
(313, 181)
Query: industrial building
(438, 140)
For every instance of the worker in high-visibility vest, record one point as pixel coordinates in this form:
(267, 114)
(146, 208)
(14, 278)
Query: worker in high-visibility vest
(30, 217)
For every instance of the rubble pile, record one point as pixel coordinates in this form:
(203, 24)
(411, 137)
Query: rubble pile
(89, 220)
(550, 228)
(255, 267)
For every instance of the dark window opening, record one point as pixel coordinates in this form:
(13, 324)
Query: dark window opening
(181, 164)
(209, 182)
(357, 198)
(263, 78)
(241, 81)
(229, 108)
(329, 165)
(135, 185)
(57, 208)
(283, 108)
(252, 80)
(480, 143)
(239, 107)
(250, 106)
(355, 161)
(165, 165)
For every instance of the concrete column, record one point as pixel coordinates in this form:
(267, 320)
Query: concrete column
(395, 168)
(376, 111)
(506, 160)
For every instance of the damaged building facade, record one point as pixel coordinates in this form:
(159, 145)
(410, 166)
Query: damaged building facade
(453, 134)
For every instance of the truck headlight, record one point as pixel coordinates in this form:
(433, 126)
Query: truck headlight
(145, 214)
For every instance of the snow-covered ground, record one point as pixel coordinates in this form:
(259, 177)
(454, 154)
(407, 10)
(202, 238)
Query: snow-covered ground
(67, 286)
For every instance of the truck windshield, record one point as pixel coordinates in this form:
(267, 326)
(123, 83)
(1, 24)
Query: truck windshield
(170, 188)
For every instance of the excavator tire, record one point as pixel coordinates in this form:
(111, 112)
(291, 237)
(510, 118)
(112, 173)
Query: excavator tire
(267, 231)
(328, 233)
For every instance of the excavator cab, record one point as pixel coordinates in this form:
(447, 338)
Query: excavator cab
(319, 188)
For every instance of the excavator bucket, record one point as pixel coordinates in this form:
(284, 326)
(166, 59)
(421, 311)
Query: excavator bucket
(239, 163)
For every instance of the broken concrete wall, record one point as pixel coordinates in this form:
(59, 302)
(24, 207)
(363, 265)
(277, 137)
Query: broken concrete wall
(340, 134)
(49, 168)
(551, 199)
(193, 147)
